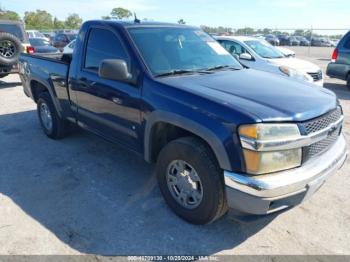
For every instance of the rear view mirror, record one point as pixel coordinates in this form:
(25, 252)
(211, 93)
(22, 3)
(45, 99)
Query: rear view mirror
(115, 69)
(246, 56)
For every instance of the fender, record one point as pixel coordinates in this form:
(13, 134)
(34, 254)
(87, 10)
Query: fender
(189, 125)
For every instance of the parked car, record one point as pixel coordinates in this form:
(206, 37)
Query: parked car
(42, 46)
(284, 39)
(340, 64)
(222, 136)
(36, 34)
(303, 41)
(293, 41)
(68, 49)
(321, 42)
(63, 39)
(273, 40)
(260, 55)
(13, 40)
(285, 51)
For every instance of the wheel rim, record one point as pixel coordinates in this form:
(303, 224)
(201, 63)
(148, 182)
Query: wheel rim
(7, 49)
(184, 184)
(45, 116)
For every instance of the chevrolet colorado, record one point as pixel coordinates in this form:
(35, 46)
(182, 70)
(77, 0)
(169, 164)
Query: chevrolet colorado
(222, 135)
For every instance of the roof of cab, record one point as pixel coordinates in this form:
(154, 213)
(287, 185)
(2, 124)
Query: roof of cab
(132, 23)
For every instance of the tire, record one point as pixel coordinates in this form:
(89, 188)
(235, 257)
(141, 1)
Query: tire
(53, 126)
(10, 49)
(197, 156)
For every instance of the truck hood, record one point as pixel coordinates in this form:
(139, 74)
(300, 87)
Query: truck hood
(268, 97)
(295, 63)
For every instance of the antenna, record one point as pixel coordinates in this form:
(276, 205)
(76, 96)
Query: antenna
(136, 20)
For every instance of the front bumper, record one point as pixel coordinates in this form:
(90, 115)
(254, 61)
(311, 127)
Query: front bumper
(266, 194)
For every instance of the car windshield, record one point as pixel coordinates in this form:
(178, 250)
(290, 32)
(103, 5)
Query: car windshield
(71, 37)
(12, 29)
(38, 42)
(172, 50)
(264, 49)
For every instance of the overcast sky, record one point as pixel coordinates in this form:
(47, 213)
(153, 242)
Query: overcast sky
(231, 13)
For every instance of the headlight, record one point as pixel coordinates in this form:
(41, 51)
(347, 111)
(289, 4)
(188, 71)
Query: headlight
(295, 74)
(264, 161)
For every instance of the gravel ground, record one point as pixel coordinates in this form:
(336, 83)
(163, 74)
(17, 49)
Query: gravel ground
(83, 195)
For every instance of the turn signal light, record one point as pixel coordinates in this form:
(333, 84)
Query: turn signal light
(30, 50)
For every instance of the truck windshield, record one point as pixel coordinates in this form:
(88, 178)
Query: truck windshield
(264, 49)
(172, 50)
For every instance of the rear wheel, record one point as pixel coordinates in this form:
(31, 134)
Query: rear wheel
(51, 123)
(191, 180)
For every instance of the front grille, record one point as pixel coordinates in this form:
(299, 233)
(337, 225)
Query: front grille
(316, 76)
(321, 122)
(318, 124)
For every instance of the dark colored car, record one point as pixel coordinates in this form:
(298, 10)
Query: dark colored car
(42, 46)
(222, 136)
(303, 41)
(293, 41)
(273, 40)
(284, 39)
(63, 39)
(340, 65)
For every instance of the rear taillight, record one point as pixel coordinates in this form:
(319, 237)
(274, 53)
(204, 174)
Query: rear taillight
(30, 50)
(335, 55)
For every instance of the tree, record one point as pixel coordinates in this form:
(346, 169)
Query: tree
(9, 15)
(120, 13)
(181, 22)
(299, 32)
(73, 21)
(38, 19)
(106, 17)
(58, 24)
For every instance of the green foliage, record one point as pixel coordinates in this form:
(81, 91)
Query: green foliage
(181, 22)
(9, 15)
(73, 21)
(38, 19)
(58, 24)
(120, 13)
(106, 17)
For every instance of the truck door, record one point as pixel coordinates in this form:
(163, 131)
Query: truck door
(109, 108)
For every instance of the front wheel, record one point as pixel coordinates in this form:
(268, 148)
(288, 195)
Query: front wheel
(191, 180)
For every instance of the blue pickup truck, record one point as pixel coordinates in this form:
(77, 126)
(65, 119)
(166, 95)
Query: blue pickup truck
(222, 136)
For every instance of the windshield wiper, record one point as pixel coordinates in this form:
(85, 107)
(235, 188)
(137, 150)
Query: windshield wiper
(219, 67)
(176, 72)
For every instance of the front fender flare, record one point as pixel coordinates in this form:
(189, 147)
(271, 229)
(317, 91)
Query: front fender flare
(189, 125)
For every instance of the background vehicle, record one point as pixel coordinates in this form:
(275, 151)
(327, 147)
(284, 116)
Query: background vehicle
(260, 55)
(63, 39)
(42, 46)
(284, 39)
(340, 65)
(68, 49)
(293, 41)
(303, 41)
(36, 34)
(13, 40)
(273, 40)
(173, 94)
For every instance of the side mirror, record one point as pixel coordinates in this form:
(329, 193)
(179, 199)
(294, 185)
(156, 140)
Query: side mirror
(246, 56)
(115, 69)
